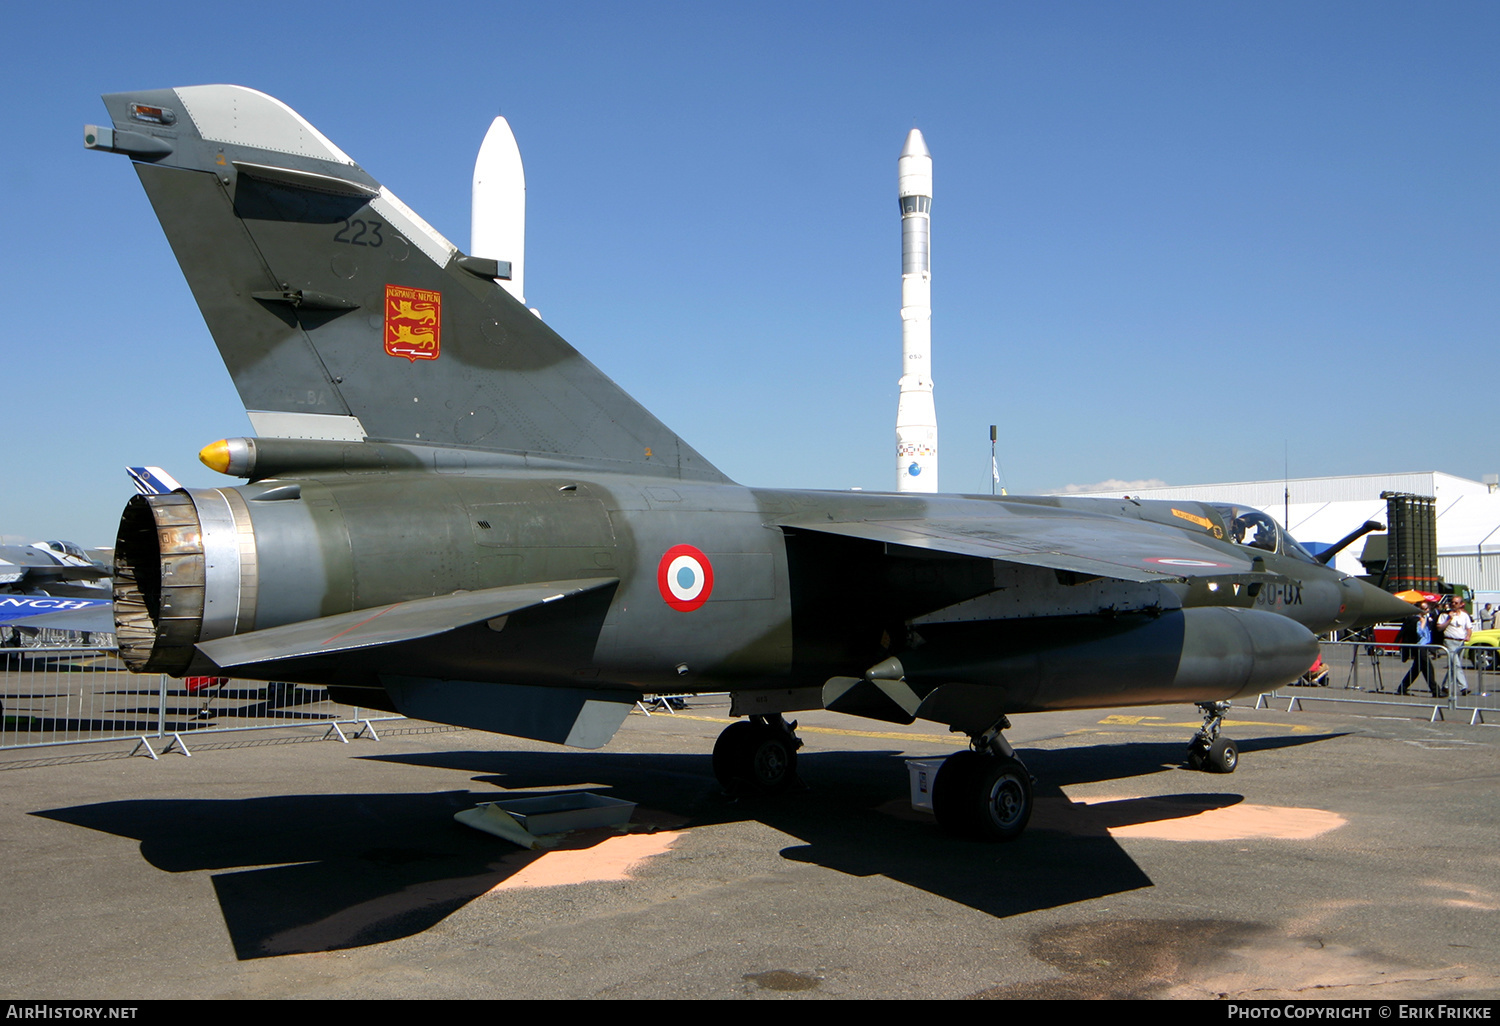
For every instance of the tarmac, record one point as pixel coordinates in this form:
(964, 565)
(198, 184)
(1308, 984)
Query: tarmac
(1350, 856)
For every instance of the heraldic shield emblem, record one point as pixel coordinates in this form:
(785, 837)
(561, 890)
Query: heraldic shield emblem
(413, 322)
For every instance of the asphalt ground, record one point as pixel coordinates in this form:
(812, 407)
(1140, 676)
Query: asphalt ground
(1348, 857)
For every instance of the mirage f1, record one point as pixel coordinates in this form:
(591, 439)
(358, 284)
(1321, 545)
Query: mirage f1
(450, 513)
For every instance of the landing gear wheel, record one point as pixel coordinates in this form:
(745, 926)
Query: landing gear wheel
(1218, 756)
(987, 797)
(1222, 756)
(755, 758)
(1210, 750)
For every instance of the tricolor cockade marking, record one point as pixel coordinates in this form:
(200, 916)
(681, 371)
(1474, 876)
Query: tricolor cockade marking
(685, 578)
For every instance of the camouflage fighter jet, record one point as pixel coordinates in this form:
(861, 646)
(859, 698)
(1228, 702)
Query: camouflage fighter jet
(449, 513)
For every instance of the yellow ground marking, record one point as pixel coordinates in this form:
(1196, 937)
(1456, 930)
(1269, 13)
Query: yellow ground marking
(959, 740)
(1295, 728)
(1157, 721)
(892, 735)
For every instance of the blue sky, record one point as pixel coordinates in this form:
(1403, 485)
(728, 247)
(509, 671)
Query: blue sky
(1171, 241)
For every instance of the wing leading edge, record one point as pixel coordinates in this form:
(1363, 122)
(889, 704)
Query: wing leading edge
(1125, 550)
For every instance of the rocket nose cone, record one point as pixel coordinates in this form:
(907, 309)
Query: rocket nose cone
(915, 146)
(499, 153)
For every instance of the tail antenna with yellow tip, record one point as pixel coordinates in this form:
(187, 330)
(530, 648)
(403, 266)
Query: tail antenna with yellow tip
(215, 456)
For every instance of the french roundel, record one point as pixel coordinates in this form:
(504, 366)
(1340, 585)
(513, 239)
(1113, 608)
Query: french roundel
(685, 578)
(1167, 561)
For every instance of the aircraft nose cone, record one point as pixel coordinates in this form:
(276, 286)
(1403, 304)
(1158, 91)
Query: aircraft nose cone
(1370, 605)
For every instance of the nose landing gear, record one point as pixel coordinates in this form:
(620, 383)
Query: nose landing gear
(1209, 750)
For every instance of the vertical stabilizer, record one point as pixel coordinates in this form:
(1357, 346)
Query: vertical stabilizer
(343, 315)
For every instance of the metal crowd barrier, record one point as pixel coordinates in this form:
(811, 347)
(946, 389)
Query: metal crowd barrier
(56, 696)
(1373, 672)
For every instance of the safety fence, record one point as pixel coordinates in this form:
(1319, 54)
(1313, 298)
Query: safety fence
(1463, 685)
(52, 696)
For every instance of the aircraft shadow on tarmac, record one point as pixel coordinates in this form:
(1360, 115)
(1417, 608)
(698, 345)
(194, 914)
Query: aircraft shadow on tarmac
(341, 871)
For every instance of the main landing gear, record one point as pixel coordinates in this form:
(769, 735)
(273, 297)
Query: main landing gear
(985, 792)
(1209, 750)
(758, 756)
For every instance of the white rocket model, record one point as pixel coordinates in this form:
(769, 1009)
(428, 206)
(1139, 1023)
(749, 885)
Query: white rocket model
(497, 227)
(916, 416)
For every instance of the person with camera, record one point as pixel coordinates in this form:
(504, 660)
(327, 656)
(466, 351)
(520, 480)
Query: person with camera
(1417, 631)
(1457, 625)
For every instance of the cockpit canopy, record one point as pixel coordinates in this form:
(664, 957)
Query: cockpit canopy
(1253, 529)
(66, 548)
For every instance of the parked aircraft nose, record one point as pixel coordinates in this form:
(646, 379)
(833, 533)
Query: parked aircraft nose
(1367, 605)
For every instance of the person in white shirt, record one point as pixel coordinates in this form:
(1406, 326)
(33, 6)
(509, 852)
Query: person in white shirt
(1456, 625)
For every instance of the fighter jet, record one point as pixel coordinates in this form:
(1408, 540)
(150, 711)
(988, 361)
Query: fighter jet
(51, 567)
(56, 585)
(450, 513)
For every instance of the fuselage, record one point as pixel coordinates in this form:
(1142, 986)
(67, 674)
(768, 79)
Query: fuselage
(720, 586)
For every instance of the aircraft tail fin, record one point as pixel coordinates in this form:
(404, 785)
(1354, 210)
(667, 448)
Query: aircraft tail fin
(152, 480)
(342, 315)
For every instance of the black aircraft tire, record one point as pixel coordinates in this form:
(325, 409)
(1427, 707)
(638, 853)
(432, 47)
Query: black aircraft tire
(1197, 753)
(753, 759)
(729, 753)
(982, 796)
(951, 791)
(1222, 757)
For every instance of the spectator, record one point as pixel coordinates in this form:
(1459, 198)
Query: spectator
(1417, 630)
(1457, 625)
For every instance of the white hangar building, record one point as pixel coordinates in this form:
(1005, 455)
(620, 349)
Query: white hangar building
(1324, 509)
